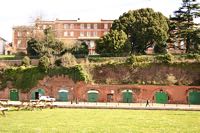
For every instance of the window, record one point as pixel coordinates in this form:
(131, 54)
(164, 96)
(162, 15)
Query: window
(19, 34)
(88, 33)
(88, 26)
(95, 34)
(95, 26)
(66, 26)
(44, 27)
(105, 26)
(82, 26)
(65, 33)
(71, 26)
(81, 34)
(71, 33)
(19, 43)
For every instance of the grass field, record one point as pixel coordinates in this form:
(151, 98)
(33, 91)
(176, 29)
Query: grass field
(100, 121)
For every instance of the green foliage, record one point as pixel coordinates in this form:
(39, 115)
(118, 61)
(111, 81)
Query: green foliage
(184, 24)
(81, 49)
(139, 59)
(25, 78)
(32, 47)
(48, 45)
(44, 63)
(144, 28)
(26, 61)
(68, 60)
(114, 42)
(166, 58)
(160, 48)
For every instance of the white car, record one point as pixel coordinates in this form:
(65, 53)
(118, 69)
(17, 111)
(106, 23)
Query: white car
(46, 98)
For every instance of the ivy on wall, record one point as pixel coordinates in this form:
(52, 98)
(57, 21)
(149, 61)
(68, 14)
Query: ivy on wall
(25, 78)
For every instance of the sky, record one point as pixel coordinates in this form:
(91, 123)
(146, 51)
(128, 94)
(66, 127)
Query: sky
(24, 12)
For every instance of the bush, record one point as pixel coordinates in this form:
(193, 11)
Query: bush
(44, 63)
(166, 58)
(68, 59)
(26, 61)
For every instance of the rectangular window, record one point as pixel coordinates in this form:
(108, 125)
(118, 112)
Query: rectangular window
(82, 26)
(65, 33)
(88, 33)
(71, 33)
(44, 27)
(81, 34)
(66, 26)
(95, 26)
(71, 26)
(105, 26)
(19, 34)
(88, 26)
(95, 34)
(19, 43)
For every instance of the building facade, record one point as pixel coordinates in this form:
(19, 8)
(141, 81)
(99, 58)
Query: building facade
(65, 30)
(3, 42)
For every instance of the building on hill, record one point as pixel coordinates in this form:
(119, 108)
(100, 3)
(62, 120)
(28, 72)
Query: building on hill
(65, 30)
(21, 34)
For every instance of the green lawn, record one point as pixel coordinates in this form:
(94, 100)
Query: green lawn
(100, 121)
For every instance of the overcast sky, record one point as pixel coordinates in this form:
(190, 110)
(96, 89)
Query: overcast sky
(23, 12)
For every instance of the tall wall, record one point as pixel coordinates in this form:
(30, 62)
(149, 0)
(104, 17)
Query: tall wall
(177, 94)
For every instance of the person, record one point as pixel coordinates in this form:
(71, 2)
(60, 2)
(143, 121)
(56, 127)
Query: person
(147, 103)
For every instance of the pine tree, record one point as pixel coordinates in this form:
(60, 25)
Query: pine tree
(184, 19)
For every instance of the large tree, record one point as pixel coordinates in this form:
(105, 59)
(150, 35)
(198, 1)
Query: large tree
(184, 22)
(144, 28)
(48, 45)
(114, 42)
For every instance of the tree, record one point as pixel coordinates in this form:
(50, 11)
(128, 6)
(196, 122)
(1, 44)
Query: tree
(185, 25)
(80, 49)
(47, 46)
(32, 47)
(144, 28)
(114, 42)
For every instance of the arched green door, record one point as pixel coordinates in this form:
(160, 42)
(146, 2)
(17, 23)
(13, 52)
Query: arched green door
(194, 97)
(14, 95)
(93, 96)
(63, 95)
(127, 96)
(37, 93)
(161, 97)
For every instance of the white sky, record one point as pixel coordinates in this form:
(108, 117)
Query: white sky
(23, 12)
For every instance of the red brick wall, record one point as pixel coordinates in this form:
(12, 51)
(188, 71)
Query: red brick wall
(177, 94)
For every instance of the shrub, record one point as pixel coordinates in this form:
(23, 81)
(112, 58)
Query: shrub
(166, 58)
(44, 63)
(68, 59)
(26, 61)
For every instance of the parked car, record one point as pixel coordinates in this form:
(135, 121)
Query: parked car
(47, 98)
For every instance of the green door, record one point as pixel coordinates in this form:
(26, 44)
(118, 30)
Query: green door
(14, 95)
(161, 97)
(37, 93)
(194, 97)
(63, 95)
(127, 96)
(92, 96)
